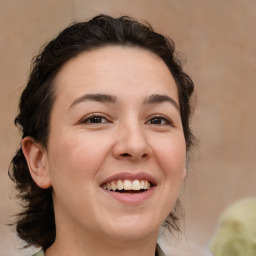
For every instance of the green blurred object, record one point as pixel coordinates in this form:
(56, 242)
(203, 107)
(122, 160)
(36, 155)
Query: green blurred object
(40, 253)
(236, 232)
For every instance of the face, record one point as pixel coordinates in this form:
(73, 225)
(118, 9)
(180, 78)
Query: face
(116, 152)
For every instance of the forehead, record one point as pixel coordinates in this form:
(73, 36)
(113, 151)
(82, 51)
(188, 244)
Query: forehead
(113, 68)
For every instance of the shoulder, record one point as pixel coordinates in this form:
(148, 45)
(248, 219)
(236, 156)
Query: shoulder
(159, 251)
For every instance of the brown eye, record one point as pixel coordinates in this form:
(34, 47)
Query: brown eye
(94, 120)
(159, 120)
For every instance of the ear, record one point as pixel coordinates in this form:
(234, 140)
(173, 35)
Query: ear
(184, 172)
(36, 157)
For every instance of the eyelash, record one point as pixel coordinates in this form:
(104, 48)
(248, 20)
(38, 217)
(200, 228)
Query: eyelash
(161, 118)
(88, 119)
(157, 118)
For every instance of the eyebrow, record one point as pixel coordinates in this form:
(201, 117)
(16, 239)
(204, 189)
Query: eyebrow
(95, 97)
(158, 98)
(106, 98)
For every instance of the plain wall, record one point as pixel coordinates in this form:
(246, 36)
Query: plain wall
(219, 40)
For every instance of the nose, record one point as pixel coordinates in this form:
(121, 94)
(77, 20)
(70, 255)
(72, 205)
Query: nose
(132, 143)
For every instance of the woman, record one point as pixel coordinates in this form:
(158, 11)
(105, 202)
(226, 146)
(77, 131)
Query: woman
(105, 124)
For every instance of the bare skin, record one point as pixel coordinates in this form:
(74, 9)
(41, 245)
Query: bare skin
(115, 117)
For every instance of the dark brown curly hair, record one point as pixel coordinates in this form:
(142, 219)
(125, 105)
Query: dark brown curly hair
(36, 223)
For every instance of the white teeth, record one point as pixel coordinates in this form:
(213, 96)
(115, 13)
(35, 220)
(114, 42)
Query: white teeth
(135, 185)
(142, 184)
(127, 185)
(146, 185)
(113, 186)
(109, 186)
(120, 185)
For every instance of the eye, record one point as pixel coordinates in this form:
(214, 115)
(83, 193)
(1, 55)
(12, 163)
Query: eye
(94, 119)
(159, 120)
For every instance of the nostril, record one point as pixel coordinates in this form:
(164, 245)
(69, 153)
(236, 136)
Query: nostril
(129, 155)
(125, 154)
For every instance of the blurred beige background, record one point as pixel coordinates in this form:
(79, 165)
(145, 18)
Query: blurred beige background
(219, 41)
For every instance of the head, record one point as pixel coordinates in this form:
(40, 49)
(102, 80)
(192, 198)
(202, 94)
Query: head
(101, 36)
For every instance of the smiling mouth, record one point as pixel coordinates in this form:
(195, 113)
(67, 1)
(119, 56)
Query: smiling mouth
(127, 186)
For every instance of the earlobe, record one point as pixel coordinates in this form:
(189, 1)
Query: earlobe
(36, 158)
(184, 173)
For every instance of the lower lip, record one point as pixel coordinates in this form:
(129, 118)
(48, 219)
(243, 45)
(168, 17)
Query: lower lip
(131, 198)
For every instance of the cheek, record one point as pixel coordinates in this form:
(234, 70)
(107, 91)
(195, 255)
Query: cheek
(78, 155)
(171, 154)
(75, 160)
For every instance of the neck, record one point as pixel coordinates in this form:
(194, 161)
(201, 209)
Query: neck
(77, 247)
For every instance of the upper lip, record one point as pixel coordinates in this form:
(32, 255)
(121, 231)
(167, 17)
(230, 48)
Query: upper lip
(130, 176)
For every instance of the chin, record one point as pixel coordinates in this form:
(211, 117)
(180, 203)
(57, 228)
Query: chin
(133, 230)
